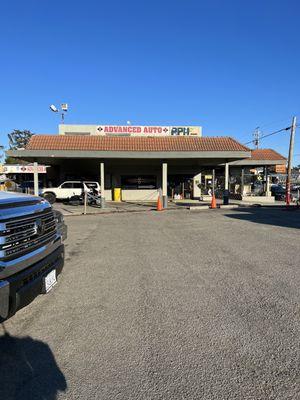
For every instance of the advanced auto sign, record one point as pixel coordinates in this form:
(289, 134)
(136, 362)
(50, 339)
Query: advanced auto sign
(23, 169)
(149, 130)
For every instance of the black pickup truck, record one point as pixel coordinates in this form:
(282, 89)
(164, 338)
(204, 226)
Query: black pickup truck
(31, 250)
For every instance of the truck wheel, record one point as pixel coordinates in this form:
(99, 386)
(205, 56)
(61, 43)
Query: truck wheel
(50, 197)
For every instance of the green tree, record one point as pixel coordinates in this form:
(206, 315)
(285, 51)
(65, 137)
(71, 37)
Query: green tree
(18, 139)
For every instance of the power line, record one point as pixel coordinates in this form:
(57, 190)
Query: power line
(278, 121)
(270, 134)
(268, 124)
(282, 120)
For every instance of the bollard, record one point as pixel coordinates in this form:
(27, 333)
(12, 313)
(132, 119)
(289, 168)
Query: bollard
(102, 202)
(85, 202)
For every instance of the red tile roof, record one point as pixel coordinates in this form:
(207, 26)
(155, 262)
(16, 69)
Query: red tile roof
(130, 143)
(266, 154)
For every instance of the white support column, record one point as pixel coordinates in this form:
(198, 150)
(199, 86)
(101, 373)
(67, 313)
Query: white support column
(197, 186)
(165, 184)
(226, 176)
(35, 179)
(226, 186)
(243, 182)
(102, 180)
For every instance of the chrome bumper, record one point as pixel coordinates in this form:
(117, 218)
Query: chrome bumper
(21, 289)
(12, 267)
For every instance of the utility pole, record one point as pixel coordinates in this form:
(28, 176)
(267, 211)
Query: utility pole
(290, 160)
(256, 135)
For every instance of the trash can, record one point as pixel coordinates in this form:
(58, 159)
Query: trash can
(117, 194)
(226, 197)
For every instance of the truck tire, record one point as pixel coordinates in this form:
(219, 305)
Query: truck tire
(49, 196)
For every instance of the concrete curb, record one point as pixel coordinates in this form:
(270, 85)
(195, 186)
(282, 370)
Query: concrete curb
(76, 214)
(229, 206)
(203, 207)
(198, 208)
(109, 212)
(219, 206)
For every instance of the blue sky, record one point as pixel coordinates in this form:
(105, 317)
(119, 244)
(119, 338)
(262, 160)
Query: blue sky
(228, 66)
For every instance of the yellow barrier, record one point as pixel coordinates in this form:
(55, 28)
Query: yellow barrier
(117, 194)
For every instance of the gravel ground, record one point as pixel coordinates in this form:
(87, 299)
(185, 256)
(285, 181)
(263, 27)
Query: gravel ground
(172, 305)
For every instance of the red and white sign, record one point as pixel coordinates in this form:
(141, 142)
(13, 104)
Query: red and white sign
(23, 169)
(149, 130)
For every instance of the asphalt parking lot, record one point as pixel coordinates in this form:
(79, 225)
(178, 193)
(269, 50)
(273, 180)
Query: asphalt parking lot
(171, 305)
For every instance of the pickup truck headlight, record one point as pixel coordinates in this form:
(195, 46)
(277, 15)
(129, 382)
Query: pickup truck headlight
(59, 218)
(61, 226)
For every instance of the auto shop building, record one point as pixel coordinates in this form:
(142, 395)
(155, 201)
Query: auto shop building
(138, 162)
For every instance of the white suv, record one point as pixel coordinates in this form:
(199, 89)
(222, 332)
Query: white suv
(68, 189)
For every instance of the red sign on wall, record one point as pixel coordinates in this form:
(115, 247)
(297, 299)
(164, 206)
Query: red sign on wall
(23, 169)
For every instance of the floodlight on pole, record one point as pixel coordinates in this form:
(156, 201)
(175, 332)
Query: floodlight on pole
(53, 108)
(63, 109)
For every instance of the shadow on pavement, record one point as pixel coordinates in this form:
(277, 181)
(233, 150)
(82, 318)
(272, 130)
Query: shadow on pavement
(191, 204)
(28, 369)
(269, 216)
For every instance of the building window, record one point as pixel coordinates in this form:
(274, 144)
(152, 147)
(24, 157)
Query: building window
(67, 185)
(77, 185)
(138, 182)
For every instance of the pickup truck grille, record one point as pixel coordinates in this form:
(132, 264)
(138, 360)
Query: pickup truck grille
(25, 234)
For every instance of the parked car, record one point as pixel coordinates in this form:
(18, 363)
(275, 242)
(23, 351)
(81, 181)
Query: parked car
(278, 191)
(31, 250)
(69, 189)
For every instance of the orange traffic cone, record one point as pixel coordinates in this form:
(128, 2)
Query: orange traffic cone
(213, 203)
(159, 204)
